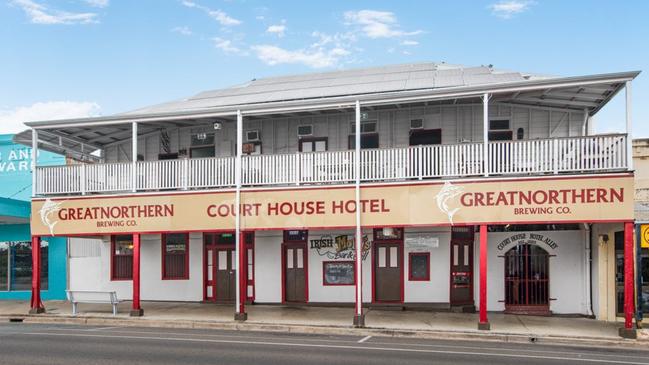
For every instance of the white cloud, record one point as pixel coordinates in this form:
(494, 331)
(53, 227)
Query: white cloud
(377, 24)
(508, 8)
(11, 120)
(218, 15)
(227, 46)
(40, 14)
(277, 29)
(98, 3)
(408, 42)
(182, 30)
(315, 58)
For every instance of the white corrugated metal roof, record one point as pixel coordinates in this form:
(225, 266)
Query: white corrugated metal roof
(383, 79)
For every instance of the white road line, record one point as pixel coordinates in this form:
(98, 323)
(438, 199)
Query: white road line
(349, 347)
(364, 339)
(101, 328)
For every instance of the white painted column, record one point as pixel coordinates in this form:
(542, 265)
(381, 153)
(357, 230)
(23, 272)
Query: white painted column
(359, 319)
(34, 160)
(629, 138)
(584, 126)
(134, 157)
(485, 132)
(237, 218)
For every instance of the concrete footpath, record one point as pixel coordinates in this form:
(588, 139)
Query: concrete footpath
(329, 320)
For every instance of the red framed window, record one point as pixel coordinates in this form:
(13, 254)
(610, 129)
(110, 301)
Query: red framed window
(121, 257)
(338, 273)
(250, 265)
(175, 256)
(419, 266)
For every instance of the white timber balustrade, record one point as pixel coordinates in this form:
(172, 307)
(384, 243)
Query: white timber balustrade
(524, 157)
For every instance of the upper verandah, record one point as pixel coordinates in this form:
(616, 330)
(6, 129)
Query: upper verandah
(458, 105)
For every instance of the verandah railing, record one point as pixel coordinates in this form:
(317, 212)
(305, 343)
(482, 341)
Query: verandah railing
(542, 156)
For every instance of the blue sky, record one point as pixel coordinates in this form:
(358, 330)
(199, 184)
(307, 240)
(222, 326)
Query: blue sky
(70, 58)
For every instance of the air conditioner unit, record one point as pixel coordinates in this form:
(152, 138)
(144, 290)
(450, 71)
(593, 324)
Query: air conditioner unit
(252, 136)
(416, 124)
(304, 130)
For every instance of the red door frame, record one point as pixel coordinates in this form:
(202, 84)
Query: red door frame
(535, 309)
(471, 273)
(305, 259)
(399, 243)
(214, 264)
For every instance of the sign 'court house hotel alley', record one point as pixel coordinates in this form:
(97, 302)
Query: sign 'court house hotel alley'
(469, 181)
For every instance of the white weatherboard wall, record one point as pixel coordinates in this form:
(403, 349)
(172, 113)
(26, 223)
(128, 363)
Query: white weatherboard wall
(457, 123)
(93, 273)
(567, 269)
(437, 289)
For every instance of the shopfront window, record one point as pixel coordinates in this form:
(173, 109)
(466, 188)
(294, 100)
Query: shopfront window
(122, 257)
(16, 266)
(175, 256)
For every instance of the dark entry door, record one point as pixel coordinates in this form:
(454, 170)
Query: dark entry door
(388, 271)
(462, 266)
(225, 275)
(527, 287)
(295, 262)
(219, 268)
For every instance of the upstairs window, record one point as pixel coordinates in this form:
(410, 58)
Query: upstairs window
(175, 256)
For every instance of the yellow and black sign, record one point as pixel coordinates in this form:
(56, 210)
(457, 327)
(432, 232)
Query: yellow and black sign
(644, 236)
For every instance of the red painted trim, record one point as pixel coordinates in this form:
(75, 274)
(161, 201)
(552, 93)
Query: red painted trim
(628, 275)
(474, 180)
(250, 281)
(163, 240)
(136, 272)
(410, 276)
(490, 223)
(36, 302)
(243, 268)
(324, 282)
(204, 269)
(483, 274)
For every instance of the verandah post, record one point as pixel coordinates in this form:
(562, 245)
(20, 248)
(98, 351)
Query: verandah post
(36, 305)
(483, 324)
(137, 310)
(629, 305)
(485, 133)
(239, 312)
(359, 317)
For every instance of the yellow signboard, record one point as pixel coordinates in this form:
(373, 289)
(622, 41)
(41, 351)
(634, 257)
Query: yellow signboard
(644, 236)
(490, 201)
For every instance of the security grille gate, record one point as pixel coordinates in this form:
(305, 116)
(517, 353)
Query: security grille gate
(527, 280)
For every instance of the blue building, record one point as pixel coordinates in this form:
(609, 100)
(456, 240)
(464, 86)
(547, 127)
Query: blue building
(15, 235)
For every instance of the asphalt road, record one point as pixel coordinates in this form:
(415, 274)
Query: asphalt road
(67, 344)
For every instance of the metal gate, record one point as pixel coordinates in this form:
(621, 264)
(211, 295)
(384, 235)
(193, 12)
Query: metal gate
(527, 289)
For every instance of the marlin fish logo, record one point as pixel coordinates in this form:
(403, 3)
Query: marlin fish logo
(46, 211)
(449, 191)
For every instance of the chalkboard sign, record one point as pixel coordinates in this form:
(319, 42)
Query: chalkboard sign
(338, 273)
